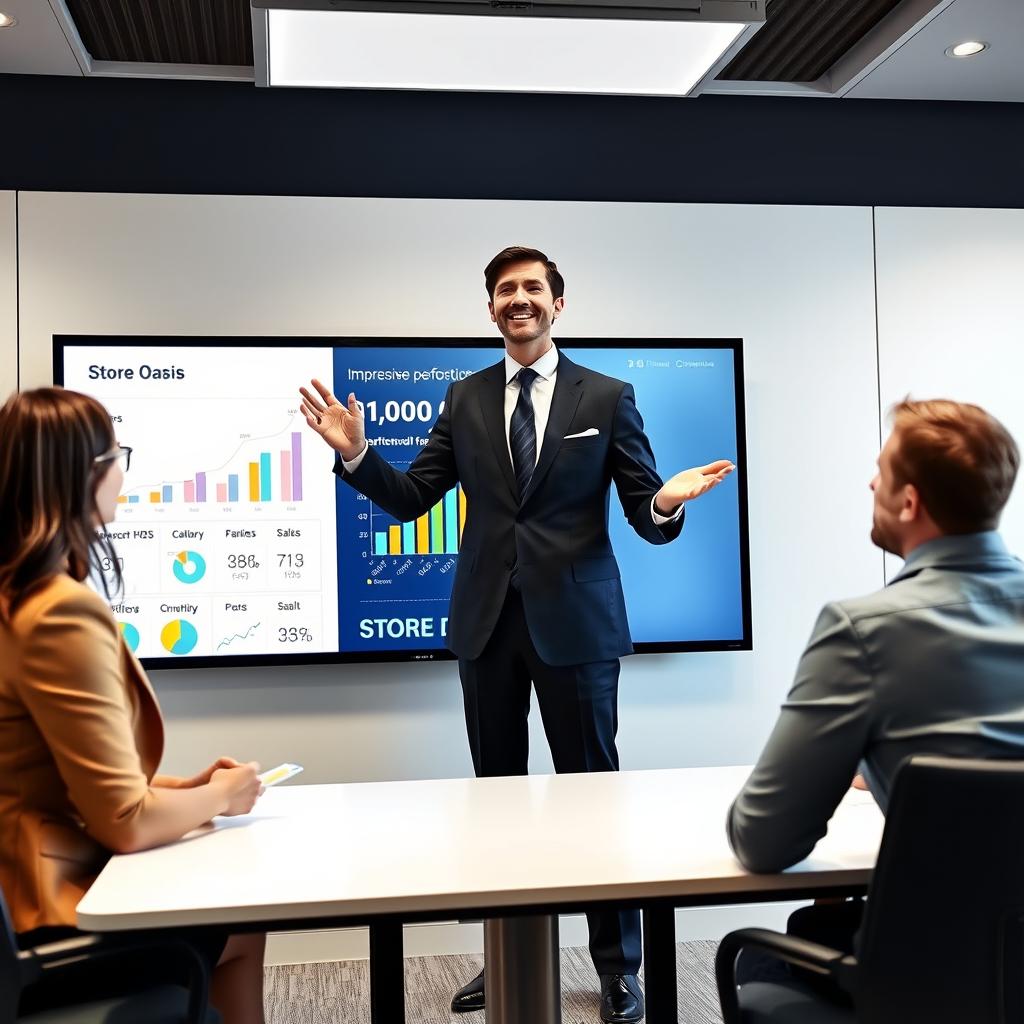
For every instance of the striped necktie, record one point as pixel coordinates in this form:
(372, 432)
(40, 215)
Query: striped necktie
(522, 431)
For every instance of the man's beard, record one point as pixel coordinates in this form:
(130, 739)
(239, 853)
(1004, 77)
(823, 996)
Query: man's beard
(543, 326)
(882, 540)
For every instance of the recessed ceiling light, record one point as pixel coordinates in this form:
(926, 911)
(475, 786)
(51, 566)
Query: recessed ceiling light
(395, 49)
(8, 21)
(966, 49)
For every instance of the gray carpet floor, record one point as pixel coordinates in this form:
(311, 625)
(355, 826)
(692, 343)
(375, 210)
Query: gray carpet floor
(331, 993)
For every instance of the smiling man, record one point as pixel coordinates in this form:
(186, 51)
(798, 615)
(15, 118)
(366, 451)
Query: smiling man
(536, 442)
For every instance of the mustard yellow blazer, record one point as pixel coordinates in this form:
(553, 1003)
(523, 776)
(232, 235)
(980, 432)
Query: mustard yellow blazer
(80, 740)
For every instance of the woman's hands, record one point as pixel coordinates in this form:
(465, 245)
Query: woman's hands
(203, 777)
(236, 784)
(240, 786)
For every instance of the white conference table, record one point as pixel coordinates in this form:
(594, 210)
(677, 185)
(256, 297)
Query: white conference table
(517, 850)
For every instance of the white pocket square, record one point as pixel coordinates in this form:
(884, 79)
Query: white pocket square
(592, 432)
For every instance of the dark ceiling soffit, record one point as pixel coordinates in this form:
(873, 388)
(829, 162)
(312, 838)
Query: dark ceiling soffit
(802, 39)
(166, 31)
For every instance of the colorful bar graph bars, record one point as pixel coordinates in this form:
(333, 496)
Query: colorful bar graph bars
(261, 487)
(451, 521)
(286, 476)
(438, 532)
(265, 476)
(195, 490)
(296, 466)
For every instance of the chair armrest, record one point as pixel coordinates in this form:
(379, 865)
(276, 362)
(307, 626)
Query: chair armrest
(809, 956)
(51, 957)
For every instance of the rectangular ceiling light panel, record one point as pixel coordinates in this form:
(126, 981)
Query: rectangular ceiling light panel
(385, 50)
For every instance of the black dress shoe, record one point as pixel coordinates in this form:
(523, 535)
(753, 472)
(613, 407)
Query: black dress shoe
(622, 1002)
(471, 996)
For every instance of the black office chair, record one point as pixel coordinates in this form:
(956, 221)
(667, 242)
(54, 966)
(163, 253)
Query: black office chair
(942, 940)
(43, 964)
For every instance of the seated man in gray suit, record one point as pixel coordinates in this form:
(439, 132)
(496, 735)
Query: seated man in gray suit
(931, 664)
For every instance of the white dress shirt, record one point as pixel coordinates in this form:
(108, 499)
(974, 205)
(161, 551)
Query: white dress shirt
(542, 392)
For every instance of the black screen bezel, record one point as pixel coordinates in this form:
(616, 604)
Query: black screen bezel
(735, 345)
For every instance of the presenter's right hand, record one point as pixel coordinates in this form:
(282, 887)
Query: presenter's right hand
(240, 787)
(341, 426)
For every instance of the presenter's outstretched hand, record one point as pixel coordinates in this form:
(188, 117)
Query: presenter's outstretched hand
(690, 484)
(341, 426)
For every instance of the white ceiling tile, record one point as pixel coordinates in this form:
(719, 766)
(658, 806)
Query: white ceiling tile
(37, 44)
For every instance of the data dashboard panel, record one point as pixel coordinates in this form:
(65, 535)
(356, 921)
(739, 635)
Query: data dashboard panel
(237, 543)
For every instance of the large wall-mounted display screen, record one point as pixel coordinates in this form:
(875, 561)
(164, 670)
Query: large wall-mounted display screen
(238, 545)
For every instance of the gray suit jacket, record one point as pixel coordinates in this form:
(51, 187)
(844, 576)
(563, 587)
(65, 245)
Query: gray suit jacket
(931, 664)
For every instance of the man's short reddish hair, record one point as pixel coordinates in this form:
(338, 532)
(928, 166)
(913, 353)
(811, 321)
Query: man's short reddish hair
(962, 461)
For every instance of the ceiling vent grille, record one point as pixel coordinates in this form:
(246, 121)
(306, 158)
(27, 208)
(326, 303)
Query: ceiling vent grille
(165, 31)
(802, 39)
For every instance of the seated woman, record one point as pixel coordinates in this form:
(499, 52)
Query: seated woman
(80, 731)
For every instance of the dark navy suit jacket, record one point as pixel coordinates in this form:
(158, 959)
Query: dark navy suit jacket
(556, 533)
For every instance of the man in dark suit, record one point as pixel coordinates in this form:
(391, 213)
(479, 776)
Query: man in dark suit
(535, 441)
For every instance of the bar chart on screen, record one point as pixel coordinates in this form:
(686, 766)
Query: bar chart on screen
(260, 470)
(437, 532)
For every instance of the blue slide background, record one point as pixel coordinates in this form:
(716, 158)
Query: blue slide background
(687, 591)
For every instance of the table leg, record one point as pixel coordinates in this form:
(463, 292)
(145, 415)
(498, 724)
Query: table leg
(524, 983)
(387, 973)
(660, 965)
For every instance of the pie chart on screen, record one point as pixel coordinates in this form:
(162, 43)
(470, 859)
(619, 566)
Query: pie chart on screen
(179, 636)
(131, 635)
(189, 566)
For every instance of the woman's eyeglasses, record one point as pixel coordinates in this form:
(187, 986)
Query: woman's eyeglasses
(122, 452)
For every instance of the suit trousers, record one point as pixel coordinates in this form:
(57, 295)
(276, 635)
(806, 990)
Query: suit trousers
(578, 707)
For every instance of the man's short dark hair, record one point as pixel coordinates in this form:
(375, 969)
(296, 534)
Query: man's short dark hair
(962, 461)
(522, 254)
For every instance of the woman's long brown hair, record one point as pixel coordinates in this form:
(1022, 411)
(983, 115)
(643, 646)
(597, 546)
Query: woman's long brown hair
(49, 440)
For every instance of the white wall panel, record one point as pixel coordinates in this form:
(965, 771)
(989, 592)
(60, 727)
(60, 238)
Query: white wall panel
(795, 283)
(951, 316)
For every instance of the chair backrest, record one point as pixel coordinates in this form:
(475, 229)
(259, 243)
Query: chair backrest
(943, 933)
(11, 976)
